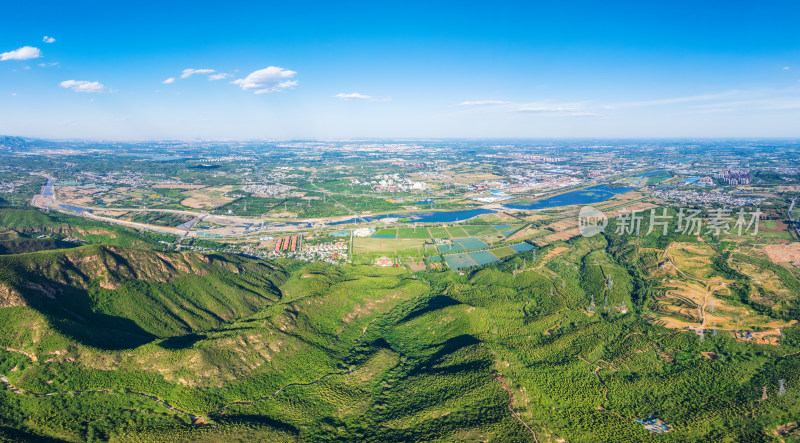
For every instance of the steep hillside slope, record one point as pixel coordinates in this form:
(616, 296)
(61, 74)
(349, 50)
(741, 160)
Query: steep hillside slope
(137, 294)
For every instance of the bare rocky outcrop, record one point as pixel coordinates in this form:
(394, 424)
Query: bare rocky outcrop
(10, 297)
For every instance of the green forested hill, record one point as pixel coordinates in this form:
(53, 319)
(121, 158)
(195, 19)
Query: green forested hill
(138, 291)
(250, 350)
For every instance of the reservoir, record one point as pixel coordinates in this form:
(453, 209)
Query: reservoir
(594, 194)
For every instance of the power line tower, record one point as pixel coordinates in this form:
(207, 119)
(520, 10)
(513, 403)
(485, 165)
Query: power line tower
(712, 306)
(591, 304)
(781, 389)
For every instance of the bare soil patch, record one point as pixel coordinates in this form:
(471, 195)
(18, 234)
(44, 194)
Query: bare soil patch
(783, 253)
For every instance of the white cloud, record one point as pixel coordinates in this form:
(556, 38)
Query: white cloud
(555, 110)
(484, 103)
(352, 96)
(169, 80)
(190, 72)
(544, 108)
(83, 86)
(357, 96)
(748, 101)
(46, 65)
(23, 53)
(786, 68)
(679, 100)
(13, 94)
(270, 79)
(220, 76)
(767, 99)
(47, 39)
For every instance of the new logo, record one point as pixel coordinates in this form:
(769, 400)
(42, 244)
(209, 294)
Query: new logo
(591, 221)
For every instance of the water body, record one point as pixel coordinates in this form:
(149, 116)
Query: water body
(74, 208)
(422, 217)
(595, 194)
(47, 190)
(648, 174)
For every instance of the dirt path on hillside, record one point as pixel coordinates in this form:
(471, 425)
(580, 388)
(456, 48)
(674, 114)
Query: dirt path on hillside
(712, 285)
(499, 378)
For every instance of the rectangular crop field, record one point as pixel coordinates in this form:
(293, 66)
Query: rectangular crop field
(446, 249)
(470, 243)
(483, 257)
(457, 232)
(386, 233)
(459, 261)
(439, 232)
(503, 252)
(387, 246)
(522, 247)
(479, 230)
(413, 233)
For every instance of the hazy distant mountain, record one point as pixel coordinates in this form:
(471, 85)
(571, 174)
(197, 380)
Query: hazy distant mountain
(13, 143)
(9, 142)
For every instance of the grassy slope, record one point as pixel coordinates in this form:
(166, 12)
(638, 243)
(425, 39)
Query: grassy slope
(421, 349)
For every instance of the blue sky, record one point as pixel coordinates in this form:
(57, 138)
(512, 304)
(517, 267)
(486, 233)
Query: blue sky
(400, 69)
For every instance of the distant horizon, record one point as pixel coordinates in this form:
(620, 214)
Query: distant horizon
(415, 139)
